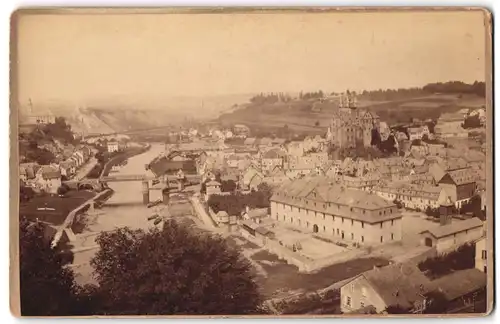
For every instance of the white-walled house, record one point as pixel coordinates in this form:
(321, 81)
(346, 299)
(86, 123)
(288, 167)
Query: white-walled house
(398, 284)
(355, 216)
(48, 178)
(481, 258)
(446, 238)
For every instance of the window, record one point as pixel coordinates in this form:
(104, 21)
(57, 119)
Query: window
(379, 213)
(362, 225)
(381, 239)
(348, 301)
(352, 222)
(352, 236)
(392, 236)
(342, 220)
(381, 223)
(338, 231)
(484, 254)
(352, 209)
(324, 216)
(362, 238)
(362, 304)
(364, 211)
(392, 222)
(324, 229)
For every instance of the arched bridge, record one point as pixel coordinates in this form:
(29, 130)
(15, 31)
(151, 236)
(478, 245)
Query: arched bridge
(101, 183)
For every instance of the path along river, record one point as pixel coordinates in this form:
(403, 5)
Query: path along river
(124, 208)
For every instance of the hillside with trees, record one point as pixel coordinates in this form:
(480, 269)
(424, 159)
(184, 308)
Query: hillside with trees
(309, 112)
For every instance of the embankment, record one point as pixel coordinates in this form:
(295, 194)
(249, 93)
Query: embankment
(122, 157)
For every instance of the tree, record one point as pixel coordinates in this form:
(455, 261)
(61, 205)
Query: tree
(227, 185)
(472, 122)
(63, 189)
(396, 309)
(26, 193)
(47, 289)
(266, 191)
(172, 271)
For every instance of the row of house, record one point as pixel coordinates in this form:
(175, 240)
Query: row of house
(48, 177)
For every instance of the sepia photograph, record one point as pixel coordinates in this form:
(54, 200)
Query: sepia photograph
(239, 162)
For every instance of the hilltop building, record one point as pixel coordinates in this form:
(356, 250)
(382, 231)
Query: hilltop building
(351, 126)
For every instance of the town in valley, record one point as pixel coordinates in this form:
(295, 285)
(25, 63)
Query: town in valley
(341, 200)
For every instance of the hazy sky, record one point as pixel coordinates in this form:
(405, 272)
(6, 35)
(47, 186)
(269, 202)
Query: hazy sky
(80, 58)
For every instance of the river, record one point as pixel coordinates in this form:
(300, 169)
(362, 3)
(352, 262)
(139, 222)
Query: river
(124, 208)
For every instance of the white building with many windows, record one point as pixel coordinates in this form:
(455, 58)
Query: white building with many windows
(355, 216)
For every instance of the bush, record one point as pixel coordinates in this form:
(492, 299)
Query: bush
(460, 259)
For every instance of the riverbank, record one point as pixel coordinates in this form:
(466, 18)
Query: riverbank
(103, 167)
(123, 208)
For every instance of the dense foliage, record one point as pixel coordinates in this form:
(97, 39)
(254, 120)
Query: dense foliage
(472, 122)
(47, 288)
(460, 259)
(161, 272)
(452, 87)
(234, 204)
(31, 147)
(270, 98)
(477, 88)
(172, 271)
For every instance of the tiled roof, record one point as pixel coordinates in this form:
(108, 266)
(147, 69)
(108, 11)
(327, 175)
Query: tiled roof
(399, 284)
(462, 176)
(273, 154)
(451, 117)
(249, 141)
(49, 172)
(257, 212)
(454, 227)
(469, 280)
(316, 194)
(413, 190)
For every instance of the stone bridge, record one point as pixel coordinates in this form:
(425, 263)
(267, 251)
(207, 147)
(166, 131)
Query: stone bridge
(161, 183)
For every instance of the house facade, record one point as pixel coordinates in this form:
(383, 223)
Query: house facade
(113, 147)
(398, 284)
(450, 235)
(481, 258)
(460, 185)
(352, 215)
(48, 179)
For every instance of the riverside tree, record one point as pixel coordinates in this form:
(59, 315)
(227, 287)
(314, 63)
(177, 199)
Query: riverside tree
(172, 271)
(46, 287)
